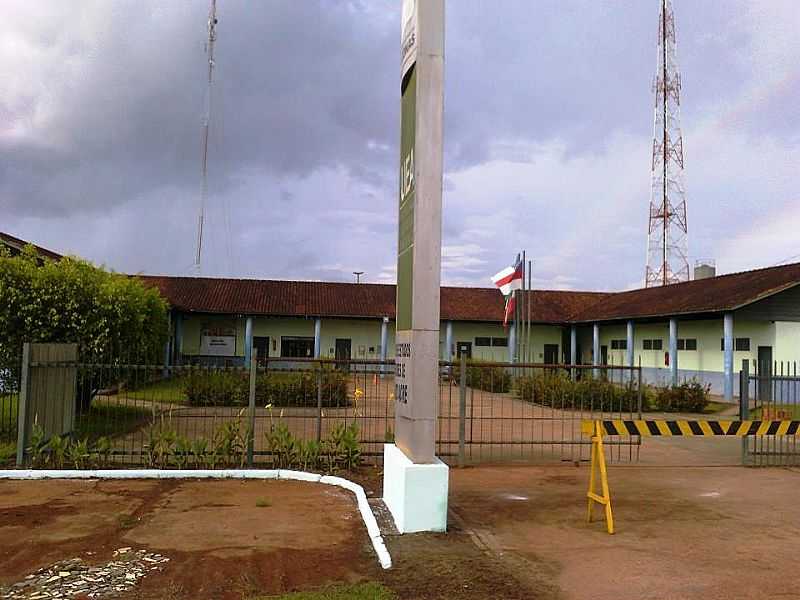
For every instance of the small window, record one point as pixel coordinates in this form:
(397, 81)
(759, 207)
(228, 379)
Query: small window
(500, 342)
(681, 344)
(691, 344)
(483, 341)
(647, 344)
(615, 344)
(722, 344)
(619, 344)
(742, 345)
(657, 345)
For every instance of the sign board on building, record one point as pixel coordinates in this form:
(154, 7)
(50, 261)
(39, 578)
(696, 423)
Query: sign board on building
(218, 340)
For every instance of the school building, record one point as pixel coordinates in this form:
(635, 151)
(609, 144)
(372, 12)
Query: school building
(702, 328)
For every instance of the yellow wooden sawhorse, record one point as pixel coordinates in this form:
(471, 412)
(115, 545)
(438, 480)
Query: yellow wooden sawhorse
(664, 428)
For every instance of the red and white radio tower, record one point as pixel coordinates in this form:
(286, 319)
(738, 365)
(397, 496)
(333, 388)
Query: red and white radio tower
(667, 236)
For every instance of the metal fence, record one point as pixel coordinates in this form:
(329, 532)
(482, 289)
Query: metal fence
(770, 391)
(9, 394)
(212, 416)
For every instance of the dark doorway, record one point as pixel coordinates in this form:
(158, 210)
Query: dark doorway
(464, 348)
(343, 353)
(297, 347)
(550, 354)
(261, 347)
(765, 373)
(603, 355)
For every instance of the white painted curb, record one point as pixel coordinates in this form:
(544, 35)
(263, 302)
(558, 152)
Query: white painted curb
(361, 497)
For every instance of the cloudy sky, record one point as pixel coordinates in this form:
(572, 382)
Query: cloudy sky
(548, 110)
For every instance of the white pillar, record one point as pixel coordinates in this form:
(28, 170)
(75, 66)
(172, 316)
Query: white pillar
(512, 341)
(248, 341)
(727, 335)
(317, 337)
(384, 338)
(673, 350)
(573, 348)
(595, 349)
(448, 341)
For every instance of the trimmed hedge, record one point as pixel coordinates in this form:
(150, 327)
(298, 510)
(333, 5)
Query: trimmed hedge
(559, 391)
(232, 388)
(487, 379)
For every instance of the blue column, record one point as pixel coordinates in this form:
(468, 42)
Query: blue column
(629, 346)
(512, 341)
(673, 351)
(248, 341)
(727, 335)
(178, 338)
(573, 348)
(595, 349)
(448, 341)
(317, 337)
(384, 338)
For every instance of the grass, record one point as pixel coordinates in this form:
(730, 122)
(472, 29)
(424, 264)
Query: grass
(8, 452)
(8, 413)
(784, 411)
(110, 419)
(263, 503)
(360, 591)
(165, 390)
(714, 407)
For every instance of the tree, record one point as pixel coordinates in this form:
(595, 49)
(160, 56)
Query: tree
(112, 317)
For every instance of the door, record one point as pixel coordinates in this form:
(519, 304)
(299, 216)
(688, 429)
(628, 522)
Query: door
(261, 346)
(464, 348)
(550, 354)
(765, 374)
(343, 353)
(603, 355)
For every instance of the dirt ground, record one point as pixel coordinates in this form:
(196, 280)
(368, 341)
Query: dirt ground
(514, 533)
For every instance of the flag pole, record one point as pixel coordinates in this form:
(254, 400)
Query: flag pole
(523, 343)
(529, 303)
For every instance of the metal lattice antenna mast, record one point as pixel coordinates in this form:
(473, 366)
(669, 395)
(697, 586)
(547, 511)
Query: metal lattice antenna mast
(212, 37)
(667, 236)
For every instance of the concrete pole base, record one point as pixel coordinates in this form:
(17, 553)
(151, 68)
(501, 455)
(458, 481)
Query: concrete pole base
(415, 494)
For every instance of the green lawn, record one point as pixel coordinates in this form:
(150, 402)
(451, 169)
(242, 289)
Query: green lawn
(109, 420)
(792, 411)
(715, 407)
(361, 591)
(166, 390)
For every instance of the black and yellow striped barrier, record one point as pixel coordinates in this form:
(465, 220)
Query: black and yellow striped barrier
(664, 428)
(692, 428)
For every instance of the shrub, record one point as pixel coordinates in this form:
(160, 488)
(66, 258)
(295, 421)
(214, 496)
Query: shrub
(232, 388)
(216, 388)
(487, 379)
(690, 396)
(559, 391)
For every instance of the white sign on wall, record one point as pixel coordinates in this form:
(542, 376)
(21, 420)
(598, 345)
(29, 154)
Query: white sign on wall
(218, 341)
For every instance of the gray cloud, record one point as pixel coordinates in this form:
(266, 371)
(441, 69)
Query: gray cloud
(548, 115)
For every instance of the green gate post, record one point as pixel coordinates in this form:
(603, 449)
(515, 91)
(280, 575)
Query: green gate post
(462, 411)
(744, 404)
(252, 408)
(22, 404)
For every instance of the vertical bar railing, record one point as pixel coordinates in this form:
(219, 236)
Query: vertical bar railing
(744, 404)
(251, 427)
(22, 404)
(462, 411)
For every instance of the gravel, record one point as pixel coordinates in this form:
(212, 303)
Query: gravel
(75, 579)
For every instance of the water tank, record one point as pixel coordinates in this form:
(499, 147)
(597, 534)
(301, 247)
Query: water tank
(703, 269)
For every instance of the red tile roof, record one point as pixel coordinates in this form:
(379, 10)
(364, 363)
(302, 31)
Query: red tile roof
(700, 296)
(369, 300)
(364, 300)
(17, 245)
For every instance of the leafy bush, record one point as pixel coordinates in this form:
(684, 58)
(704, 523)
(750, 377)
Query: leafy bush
(232, 388)
(690, 396)
(558, 391)
(488, 379)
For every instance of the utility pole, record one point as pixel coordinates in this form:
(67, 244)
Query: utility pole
(212, 38)
(667, 234)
